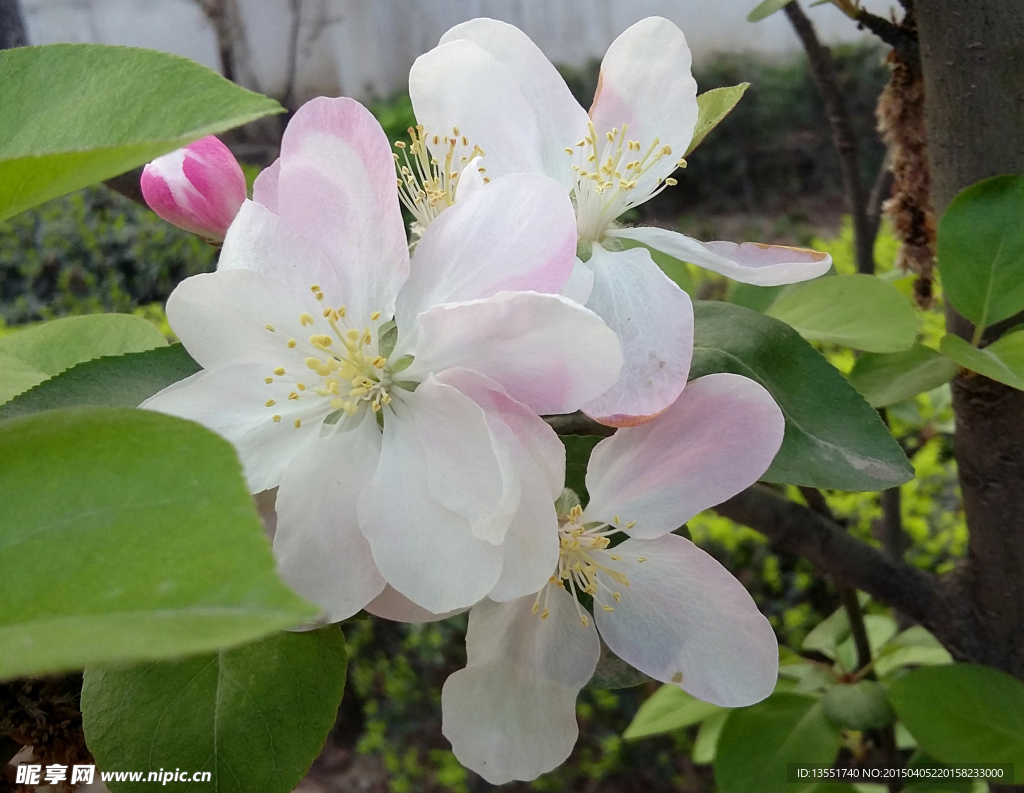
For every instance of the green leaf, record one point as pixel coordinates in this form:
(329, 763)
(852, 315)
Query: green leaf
(128, 536)
(858, 706)
(52, 347)
(885, 379)
(963, 713)
(613, 673)
(913, 647)
(577, 455)
(828, 634)
(834, 439)
(981, 250)
(705, 745)
(17, 376)
(1002, 360)
(669, 708)
(757, 743)
(756, 298)
(113, 381)
(712, 108)
(676, 270)
(254, 716)
(858, 311)
(76, 114)
(766, 9)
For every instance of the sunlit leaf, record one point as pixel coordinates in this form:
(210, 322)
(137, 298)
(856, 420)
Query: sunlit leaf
(1002, 360)
(887, 378)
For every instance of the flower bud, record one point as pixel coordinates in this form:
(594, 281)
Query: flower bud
(199, 188)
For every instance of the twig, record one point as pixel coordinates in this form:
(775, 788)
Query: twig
(897, 37)
(879, 194)
(578, 424)
(852, 562)
(848, 596)
(845, 142)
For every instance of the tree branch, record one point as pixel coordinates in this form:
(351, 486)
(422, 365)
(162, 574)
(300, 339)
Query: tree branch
(845, 142)
(852, 562)
(899, 38)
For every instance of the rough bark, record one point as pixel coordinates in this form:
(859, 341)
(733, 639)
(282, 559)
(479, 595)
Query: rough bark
(12, 25)
(973, 67)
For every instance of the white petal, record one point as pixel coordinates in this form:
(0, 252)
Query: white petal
(231, 402)
(561, 120)
(264, 187)
(580, 284)
(717, 439)
(469, 471)
(471, 179)
(222, 318)
(261, 241)
(545, 351)
(321, 553)
(393, 605)
(535, 434)
(461, 85)
(511, 713)
(653, 319)
(518, 234)
(684, 619)
(748, 263)
(645, 83)
(425, 551)
(337, 187)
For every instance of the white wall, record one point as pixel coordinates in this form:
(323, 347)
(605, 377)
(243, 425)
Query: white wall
(364, 48)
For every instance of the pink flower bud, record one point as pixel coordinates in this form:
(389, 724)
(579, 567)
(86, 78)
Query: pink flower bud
(198, 188)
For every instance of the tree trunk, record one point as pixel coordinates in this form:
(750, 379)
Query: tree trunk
(973, 64)
(12, 25)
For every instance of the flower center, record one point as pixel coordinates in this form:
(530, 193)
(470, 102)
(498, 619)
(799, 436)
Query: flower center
(345, 371)
(608, 171)
(427, 187)
(587, 564)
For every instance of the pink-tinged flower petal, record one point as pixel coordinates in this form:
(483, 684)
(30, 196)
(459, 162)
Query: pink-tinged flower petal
(535, 434)
(337, 187)
(264, 188)
(198, 188)
(459, 85)
(653, 319)
(684, 619)
(561, 120)
(425, 551)
(261, 241)
(393, 605)
(469, 471)
(321, 553)
(580, 284)
(546, 351)
(645, 83)
(718, 438)
(531, 544)
(222, 319)
(511, 713)
(516, 234)
(231, 402)
(471, 179)
(748, 262)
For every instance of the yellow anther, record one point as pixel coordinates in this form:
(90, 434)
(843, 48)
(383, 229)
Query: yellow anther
(584, 621)
(375, 316)
(350, 407)
(352, 334)
(279, 371)
(269, 327)
(305, 319)
(545, 614)
(616, 558)
(334, 386)
(536, 606)
(358, 392)
(301, 386)
(293, 395)
(337, 404)
(400, 144)
(375, 405)
(608, 608)
(341, 312)
(268, 380)
(270, 403)
(386, 399)
(314, 288)
(615, 520)
(298, 423)
(617, 596)
(319, 295)
(671, 182)
(379, 362)
(292, 343)
(641, 558)
(276, 417)
(314, 363)
(631, 524)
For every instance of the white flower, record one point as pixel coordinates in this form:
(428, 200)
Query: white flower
(488, 79)
(659, 602)
(395, 409)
